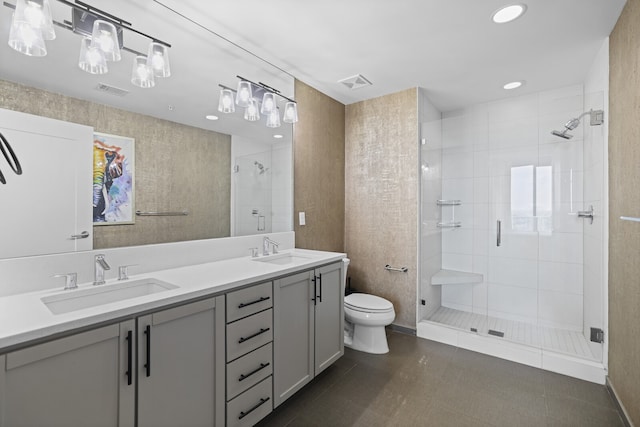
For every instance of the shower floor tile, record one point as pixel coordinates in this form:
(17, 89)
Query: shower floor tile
(564, 341)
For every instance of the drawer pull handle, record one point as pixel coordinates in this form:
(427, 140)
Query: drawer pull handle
(262, 402)
(129, 356)
(245, 304)
(260, 332)
(245, 376)
(147, 365)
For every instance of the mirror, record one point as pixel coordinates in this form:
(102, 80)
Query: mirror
(241, 181)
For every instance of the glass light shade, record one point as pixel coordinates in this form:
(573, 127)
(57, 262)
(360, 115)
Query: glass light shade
(105, 37)
(141, 74)
(26, 39)
(244, 94)
(37, 15)
(252, 112)
(225, 103)
(273, 119)
(158, 59)
(268, 103)
(290, 112)
(92, 59)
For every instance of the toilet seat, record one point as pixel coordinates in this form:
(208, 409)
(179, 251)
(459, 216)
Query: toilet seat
(367, 303)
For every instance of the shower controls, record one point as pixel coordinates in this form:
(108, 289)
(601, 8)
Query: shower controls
(587, 214)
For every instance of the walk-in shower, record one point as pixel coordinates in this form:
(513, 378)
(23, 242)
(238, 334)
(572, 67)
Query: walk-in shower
(596, 119)
(510, 262)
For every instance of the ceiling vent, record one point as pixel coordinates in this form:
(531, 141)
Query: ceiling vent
(111, 90)
(355, 82)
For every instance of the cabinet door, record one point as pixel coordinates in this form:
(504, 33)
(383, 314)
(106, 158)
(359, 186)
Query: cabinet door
(80, 380)
(51, 201)
(329, 321)
(178, 363)
(292, 334)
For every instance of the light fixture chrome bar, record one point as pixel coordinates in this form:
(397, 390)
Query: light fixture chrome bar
(226, 87)
(83, 7)
(267, 88)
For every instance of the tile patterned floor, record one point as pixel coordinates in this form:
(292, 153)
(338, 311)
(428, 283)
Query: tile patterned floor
(424, 383)
(559, 340)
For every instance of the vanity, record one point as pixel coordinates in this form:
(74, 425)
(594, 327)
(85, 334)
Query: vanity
(211, 344)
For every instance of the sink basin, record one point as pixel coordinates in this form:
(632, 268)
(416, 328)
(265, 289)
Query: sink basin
(281, 259)
(73, 300)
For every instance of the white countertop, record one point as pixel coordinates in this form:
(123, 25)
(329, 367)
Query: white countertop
(25, 318)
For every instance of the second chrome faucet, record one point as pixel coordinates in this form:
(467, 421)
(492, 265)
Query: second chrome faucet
(265, 246)
(99, 267)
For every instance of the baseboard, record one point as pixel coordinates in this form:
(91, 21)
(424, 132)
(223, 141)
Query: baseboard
(626, 419)
(402, 329)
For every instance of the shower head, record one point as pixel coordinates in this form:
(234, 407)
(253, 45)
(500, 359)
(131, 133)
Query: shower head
(562, 134)
(596, 119)
(260, 167)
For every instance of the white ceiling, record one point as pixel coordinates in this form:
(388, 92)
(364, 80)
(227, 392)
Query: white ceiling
(449, 47)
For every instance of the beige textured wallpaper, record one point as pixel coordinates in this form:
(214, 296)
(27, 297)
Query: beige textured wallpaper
(624, 200)
(176, 167)
(381, 208)
(318, 153)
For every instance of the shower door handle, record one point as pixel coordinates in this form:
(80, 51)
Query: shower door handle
(498, 233)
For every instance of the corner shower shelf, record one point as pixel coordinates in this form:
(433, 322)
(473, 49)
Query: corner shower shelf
(454, 277)
(449, 202)
(453, 224)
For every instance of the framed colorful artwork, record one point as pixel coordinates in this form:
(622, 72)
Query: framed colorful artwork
(113, 172)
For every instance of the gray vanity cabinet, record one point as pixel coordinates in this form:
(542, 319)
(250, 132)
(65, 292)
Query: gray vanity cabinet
(172, 357)
(308, 327)
(177, 356)
(80, 380)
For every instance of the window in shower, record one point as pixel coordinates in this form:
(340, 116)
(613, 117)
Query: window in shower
(532, 199)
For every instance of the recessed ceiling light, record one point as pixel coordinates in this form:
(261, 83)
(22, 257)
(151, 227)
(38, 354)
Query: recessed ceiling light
(512, 85)
(278, 136)
(211, 117)
(508, 13)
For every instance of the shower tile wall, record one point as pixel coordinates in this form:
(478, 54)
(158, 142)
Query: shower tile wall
(501, 161)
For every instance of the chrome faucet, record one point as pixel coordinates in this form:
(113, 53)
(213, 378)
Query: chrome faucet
(265, 246)
(99, 266)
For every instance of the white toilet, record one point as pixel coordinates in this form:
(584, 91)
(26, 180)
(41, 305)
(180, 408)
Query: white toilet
(365, 318)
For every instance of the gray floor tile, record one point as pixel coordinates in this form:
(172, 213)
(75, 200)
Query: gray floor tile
(424, 383)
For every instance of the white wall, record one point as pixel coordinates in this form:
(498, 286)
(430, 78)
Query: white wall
(431, 191)
(596, 194)
(535, 276)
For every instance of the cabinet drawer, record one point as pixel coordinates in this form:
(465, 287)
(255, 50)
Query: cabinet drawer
(249, 370)
(248, 301)
(251, 406)
(248, 334)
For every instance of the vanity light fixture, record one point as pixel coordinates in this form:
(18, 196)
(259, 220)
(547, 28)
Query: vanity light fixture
(508, 13)
(141, 74)
(102, 41)
(226, 104)
(92, 59)
(513, 85)
(257, 99)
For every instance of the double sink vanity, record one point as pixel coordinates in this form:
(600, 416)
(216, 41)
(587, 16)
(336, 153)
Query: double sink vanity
(212, 344)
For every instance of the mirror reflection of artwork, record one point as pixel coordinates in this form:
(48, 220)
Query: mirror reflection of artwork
(113, 158)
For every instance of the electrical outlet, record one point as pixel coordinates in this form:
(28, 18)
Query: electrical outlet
(301, 218)
(423, 302)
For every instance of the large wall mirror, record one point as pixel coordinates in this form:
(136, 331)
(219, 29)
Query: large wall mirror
(230, 176)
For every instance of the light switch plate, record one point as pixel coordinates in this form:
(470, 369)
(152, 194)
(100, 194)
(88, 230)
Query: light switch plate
(301, 218)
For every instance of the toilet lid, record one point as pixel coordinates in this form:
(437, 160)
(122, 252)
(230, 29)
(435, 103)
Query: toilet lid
(367, 302)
